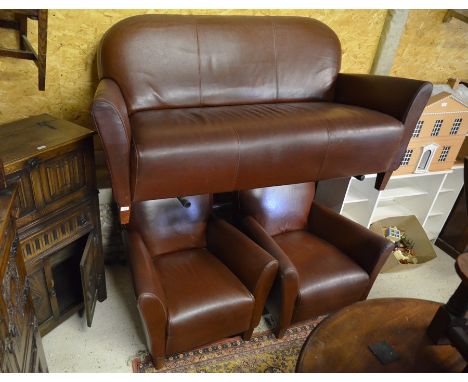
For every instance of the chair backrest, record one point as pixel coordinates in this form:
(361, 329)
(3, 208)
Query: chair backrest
(278, 209)
(166, 226)
(170, 61)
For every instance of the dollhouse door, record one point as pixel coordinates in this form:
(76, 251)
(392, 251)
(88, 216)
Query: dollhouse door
(426, 158)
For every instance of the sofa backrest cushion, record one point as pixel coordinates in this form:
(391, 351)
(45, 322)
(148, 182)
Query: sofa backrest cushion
(278, 209)
(170, 61)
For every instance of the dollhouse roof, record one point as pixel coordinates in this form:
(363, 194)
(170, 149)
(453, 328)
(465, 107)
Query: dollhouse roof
(441, 96)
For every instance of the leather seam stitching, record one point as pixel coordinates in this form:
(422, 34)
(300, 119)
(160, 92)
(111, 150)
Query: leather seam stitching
(236, 177)
(108, 160)
(326, 153)
(137, 156)
(199, 64)
(273, 26)
(112, 106)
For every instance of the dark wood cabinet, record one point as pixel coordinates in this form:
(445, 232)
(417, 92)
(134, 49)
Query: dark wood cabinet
(20, 342)
(52, 162)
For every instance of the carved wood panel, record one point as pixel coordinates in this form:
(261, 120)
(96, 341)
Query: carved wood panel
(57, 232)
(40, 296)
(48, 184)
(25, 191)
(62, 176)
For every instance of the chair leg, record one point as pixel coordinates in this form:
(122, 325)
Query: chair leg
(158, 362)
(279, 332)
(382, 180)
(247, 335)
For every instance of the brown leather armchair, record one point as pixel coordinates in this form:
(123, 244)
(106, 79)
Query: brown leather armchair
(197, 278)
(326, 261)
(189, 105)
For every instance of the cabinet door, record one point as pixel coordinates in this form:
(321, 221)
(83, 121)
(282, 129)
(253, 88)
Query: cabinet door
(41, 298)
(89, 277)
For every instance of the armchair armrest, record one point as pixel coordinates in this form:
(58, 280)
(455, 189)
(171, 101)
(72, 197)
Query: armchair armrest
(250, 263)
(365, 247)
(401, 98)
(286, 285)
(151, 299)
(111, 120)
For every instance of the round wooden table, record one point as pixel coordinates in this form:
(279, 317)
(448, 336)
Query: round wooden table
(341, 342)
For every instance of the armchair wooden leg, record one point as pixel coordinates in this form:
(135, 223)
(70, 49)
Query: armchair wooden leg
(158, 362)
(279, 332)
(246, 336)
(382, 180)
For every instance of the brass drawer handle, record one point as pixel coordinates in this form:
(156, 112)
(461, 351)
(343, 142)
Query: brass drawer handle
(32, 163)
(52, 292)
(83, 220)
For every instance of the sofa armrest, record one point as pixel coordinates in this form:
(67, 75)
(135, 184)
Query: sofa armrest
(111, 120)
(250, 263)
(286, 285)
(401, 98)
(151, 299)
(365, 247)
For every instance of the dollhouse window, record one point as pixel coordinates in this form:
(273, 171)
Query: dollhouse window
(437, 126)
(444, 153)
(417, 129)
(455, 126)
(407, 157)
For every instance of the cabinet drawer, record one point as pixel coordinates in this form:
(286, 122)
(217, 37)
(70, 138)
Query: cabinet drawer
(56, 232)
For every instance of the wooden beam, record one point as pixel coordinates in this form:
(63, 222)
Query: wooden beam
(9, 24)
(42, 46)
(460, 14)
(17, 53)
(28, 47)
(23, 29)
(31, 13)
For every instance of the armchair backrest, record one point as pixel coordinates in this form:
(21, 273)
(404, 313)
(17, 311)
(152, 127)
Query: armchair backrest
(166, 226)
(168, 61)
(278, 209)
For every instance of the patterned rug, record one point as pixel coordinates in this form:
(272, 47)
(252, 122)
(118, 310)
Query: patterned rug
(262, 354)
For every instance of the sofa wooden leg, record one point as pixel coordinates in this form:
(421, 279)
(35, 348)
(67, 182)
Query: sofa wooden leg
(382, 180)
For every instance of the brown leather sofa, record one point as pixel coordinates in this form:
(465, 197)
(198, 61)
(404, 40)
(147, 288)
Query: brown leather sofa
(189, 105)
(326, 261)
(197, 278)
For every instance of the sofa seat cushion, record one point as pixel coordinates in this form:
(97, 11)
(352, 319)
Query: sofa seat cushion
(192, 151)
(205, 301)
(328, 279)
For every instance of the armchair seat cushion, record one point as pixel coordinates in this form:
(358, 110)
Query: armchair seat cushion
(328, 279)
(205, 300)
(190, 151)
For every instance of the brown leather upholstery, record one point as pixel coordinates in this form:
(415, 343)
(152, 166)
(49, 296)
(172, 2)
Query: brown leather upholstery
(171, 61)
(326, 261)
(255, 144)
(200, 104)
(197, 278)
